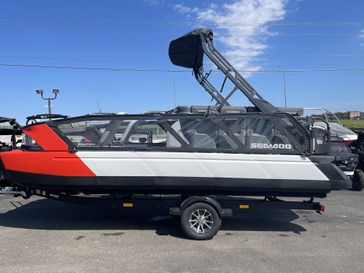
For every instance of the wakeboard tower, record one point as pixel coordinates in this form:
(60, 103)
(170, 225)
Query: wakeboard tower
(210, 150)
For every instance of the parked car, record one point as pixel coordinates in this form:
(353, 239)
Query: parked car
(358, 148)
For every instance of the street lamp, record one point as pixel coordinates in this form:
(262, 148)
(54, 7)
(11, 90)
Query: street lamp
(49, 99)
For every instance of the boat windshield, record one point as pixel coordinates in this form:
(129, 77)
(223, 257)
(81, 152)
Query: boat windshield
(322, 114)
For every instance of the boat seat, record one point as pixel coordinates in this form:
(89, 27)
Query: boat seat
(109, 133)
(172, 142)
(225, 142)
(194, 109)
(203, 141)
(280, 139)
(241, 136)
(233, 109)
(91, 135)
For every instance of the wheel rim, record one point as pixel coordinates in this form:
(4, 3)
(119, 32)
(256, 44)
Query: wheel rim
(201, 221)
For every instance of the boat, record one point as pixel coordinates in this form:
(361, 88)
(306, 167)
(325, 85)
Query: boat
(218, 149)
(339, 133)
(323, 118)
(339, 138)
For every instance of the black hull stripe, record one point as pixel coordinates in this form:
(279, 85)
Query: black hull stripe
(180, 185)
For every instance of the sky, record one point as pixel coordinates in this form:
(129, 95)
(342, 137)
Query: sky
(320, 45)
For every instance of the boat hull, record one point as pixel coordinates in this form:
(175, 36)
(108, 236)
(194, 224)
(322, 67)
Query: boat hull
(167, 172)
(177, 185)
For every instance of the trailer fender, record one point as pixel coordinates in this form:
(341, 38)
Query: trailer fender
(201, 199)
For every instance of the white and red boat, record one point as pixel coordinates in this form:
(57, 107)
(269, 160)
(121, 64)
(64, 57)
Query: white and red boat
(218, 149)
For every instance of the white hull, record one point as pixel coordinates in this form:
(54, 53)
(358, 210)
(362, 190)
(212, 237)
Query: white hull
(180, 164)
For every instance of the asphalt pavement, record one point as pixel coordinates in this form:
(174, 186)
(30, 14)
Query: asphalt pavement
(41, 235)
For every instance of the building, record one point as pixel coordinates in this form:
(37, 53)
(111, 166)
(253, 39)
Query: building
(350, 115)
(354, 114)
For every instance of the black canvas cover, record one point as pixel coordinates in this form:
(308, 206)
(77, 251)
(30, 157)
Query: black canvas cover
(187, 51)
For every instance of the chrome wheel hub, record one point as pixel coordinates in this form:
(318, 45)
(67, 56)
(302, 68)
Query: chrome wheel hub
(201, 221)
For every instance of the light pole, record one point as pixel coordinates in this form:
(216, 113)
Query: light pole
(285, 88)
(49, 100)
(284, 85)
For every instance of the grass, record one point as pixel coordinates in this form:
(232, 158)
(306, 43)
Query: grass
(356, 123)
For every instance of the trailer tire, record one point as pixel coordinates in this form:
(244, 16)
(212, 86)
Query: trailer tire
(358, 180)
(200, 221)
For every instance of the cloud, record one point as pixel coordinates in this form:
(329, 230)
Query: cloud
(184, 9)
(154, 2)
(242, 26)
(361, 36)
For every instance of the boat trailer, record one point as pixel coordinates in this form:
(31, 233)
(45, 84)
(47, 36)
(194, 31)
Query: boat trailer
(203, 214)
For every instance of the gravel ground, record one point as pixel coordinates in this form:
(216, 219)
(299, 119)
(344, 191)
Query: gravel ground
(40, 235)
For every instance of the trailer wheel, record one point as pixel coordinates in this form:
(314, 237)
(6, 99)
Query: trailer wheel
(200, 221)
(358, 180)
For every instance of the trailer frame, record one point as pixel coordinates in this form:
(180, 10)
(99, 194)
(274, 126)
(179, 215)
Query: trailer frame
(222, 206)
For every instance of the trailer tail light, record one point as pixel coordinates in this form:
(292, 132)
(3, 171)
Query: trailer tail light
(322, 209)
(128, 205)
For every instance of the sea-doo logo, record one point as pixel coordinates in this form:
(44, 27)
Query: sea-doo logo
(271, 146)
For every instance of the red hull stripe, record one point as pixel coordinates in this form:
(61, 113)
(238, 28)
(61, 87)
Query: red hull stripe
(46, 138)
(46, 163)
(55, 159)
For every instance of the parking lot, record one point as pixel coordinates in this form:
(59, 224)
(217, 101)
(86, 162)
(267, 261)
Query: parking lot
(40, 235)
